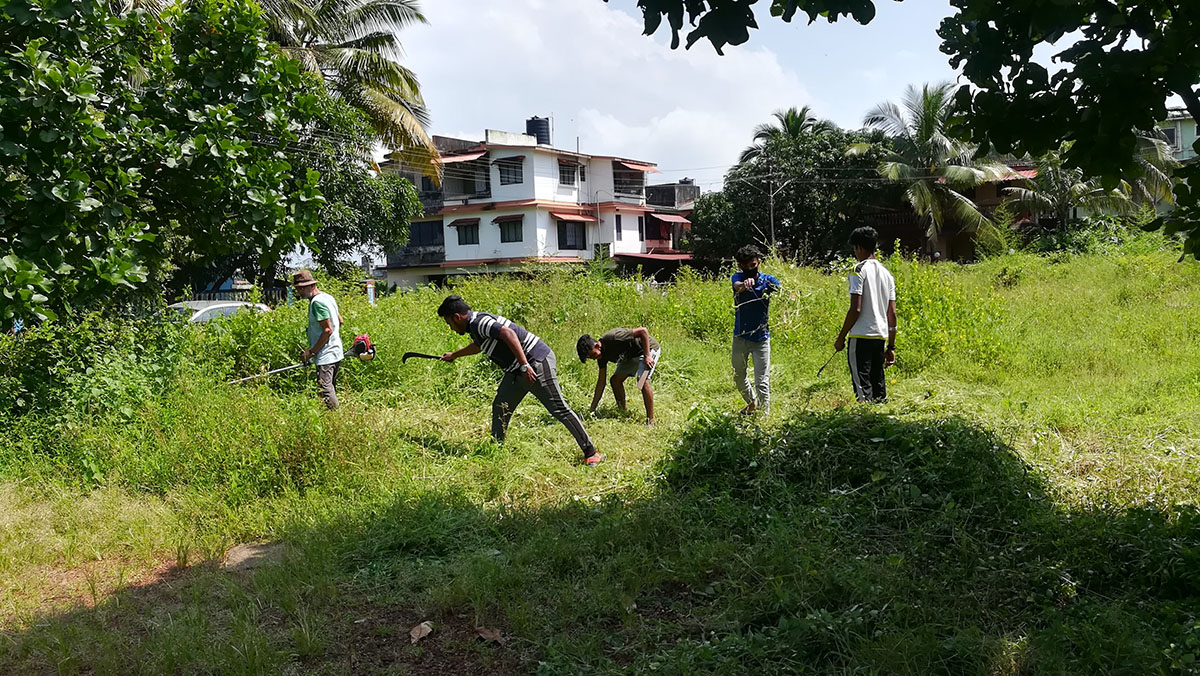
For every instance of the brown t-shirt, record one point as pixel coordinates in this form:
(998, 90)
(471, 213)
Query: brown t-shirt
(620, 344)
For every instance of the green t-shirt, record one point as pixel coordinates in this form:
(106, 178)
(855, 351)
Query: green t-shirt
(322, 307)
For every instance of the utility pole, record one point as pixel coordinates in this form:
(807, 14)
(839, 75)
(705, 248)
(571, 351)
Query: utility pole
(770, 184)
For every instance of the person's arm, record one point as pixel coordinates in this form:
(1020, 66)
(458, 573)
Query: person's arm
(851, 316)
(772, 285)
(322, 340)
(509, 338)
(889, 355)
(644, 335)
(467, 351)
(599, 393)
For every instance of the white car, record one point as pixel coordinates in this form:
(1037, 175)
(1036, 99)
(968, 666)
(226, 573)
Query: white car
(199, 311)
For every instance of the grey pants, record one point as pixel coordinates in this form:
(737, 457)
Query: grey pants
(514, 387)
(761, 352)
(327, 383)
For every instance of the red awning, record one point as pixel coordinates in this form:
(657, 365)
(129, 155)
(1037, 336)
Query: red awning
(509, 218)
(451, 159)
(464, 221)
(510, 158)
(582, 218)
(672, 218)
(638, 167)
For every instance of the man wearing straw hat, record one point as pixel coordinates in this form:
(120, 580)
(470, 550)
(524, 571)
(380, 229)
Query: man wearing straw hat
(324, 335)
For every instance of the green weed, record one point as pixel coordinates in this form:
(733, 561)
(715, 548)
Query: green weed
(1024, 504)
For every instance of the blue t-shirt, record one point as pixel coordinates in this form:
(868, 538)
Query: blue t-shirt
(750, 317)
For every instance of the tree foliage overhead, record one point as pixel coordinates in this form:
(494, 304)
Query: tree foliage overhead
(128, 144)
(1126, 61)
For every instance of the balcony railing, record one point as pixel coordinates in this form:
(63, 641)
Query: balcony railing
(417, 256)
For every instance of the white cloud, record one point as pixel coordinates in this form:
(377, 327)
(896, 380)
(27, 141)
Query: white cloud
(486, 64)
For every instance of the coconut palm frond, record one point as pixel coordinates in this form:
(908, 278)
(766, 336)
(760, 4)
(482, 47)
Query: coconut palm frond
(1029, 200)
(790, 123)
(963, 210)
(355, 46)
(963, 177)
(889, 119)
(359, 66)
(346, 19)
(399, 126)
(382, 43)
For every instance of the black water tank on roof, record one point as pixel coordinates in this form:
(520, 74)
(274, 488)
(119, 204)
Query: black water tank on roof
(539, 127)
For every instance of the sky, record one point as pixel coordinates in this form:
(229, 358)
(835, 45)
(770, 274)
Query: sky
(490, 64)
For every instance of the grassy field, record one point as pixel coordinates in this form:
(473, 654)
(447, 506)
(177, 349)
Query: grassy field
(1026, 503)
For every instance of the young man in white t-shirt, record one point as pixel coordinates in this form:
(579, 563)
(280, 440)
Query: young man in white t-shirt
(871, 320)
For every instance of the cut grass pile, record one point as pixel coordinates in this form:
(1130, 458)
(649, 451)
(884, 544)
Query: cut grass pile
(1025, 503)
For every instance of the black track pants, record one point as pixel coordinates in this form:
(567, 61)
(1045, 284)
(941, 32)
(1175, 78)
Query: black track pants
(866, 368)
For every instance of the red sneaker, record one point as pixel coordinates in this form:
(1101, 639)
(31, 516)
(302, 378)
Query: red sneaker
(593, 459)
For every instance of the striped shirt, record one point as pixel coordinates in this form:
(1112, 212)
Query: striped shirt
(484, 330)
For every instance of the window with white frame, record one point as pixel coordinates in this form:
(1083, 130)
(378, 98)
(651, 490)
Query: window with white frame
(567, 171)
(641, 228)
(511, 170)
(617, 220)
(572, 235)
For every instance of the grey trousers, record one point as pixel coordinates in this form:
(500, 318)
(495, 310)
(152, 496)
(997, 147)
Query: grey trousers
(761, 352)
(514, 387)
(327, 383)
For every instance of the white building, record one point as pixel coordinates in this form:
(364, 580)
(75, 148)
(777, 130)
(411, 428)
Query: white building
(511, 200)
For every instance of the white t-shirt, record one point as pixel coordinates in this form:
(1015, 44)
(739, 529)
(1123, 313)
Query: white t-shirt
(877, 287)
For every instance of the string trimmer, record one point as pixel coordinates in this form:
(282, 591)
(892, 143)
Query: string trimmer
(362, 348)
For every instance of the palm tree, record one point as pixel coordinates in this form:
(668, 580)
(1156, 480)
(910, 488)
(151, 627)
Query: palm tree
(1157, 165)
(934, 168)
(353, 46)
(790, 123)
(1058, 189)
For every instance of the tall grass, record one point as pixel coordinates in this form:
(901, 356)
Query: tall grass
(1024, 504)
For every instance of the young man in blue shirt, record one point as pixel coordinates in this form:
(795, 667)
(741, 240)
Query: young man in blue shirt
(752, 291)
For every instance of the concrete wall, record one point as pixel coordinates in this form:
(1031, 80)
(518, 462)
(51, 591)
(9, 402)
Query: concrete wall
(629, 242)
(490, 245)
(1187, 138)
(600, 180)
(517, 191)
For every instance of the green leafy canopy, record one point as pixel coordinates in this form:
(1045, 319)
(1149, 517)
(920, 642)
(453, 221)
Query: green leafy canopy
(132, 144)
(1128, 58)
